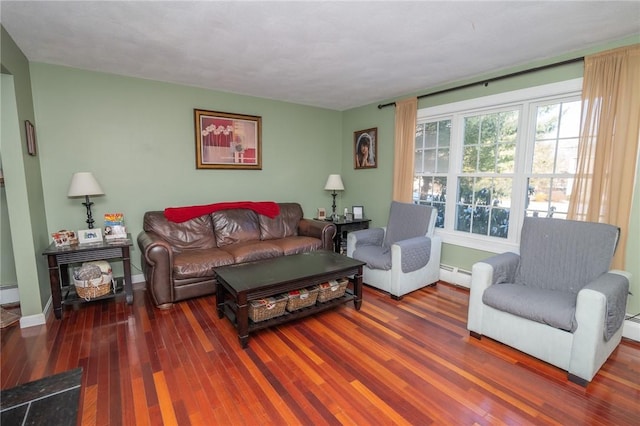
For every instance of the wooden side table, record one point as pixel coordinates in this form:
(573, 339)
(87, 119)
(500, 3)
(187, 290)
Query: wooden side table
(343, 228)
(59, 258)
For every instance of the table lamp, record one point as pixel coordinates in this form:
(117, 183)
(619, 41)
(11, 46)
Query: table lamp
(83, 184)
(334, 183)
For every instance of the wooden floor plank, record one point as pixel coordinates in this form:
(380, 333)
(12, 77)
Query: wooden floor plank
(407, 361)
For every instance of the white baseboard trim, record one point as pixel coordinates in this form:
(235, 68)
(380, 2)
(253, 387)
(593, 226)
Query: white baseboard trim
(9, 294)
(455, 275)
(631, 330)
(33, 320)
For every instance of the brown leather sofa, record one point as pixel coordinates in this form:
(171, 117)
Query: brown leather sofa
(178, 258)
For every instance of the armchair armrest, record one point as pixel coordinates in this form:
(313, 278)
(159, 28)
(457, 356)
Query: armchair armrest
(364, 237)
(497, 269)
(614, 287)
(596, 337)
(414, 253)
(157, 265)
(321, 229)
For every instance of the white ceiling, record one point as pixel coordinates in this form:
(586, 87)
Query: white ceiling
(336, 55)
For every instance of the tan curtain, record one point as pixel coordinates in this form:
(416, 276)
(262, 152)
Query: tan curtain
(405, 137)
(608, 147)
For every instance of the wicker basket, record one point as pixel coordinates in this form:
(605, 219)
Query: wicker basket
(93, 279)
(332, 290)
(264, 309)
(302, 298)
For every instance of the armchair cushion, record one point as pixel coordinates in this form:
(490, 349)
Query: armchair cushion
(406, 221)
(376, 257)
(551, 307)
(565, 255)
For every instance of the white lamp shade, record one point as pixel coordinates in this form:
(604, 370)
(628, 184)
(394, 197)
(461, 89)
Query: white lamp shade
(334, 183)
(83, 183)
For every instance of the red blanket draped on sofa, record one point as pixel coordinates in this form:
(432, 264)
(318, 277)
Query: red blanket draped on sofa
(182, 214)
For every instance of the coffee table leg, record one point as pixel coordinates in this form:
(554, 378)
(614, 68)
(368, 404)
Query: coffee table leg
(220, 297)
(357, 289)
(242, 317)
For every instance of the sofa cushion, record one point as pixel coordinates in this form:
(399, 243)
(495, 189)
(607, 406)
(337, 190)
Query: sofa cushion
(551, 307)
(235, 226)
(564, 255)
(253, 250)
(282, 226)
(199, 263)
(298, 244)
(193, 234)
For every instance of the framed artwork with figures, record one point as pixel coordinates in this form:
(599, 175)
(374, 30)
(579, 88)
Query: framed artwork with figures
(228, 141)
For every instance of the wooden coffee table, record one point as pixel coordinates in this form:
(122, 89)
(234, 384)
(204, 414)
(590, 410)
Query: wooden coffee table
(239, 284)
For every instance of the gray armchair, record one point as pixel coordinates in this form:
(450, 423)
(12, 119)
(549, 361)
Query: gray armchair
(557, 300)
(402, 257)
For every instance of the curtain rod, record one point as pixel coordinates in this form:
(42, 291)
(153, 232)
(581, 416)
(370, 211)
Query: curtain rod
(491, 80)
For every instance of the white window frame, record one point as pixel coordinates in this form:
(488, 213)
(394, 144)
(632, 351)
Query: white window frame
(526, 101)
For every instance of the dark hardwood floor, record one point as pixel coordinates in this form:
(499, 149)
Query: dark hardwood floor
(393, 362)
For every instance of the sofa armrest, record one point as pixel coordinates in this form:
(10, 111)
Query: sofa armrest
(157, 259)
(497, 269)
(321, 229)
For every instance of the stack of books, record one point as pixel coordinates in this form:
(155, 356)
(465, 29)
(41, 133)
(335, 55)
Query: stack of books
(114, 226)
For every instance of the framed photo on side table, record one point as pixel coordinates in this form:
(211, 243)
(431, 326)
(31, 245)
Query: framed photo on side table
(322, 214)
(358, 212)
(86, 236)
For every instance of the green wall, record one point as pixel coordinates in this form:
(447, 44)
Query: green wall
(374, 186)
(137, 137)
(26, 217)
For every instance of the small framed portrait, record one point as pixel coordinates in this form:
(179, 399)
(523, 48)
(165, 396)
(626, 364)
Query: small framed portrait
(86, 236)
(322, 213)
(365, 148)
(31, 137)
(358, 212)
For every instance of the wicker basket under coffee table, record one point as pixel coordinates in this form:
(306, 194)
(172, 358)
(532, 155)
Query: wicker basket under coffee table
(241, 283)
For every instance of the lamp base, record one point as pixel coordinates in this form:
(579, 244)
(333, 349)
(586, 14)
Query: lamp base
(87, 203)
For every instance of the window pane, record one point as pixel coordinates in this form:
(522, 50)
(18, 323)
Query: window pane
(487, 159)
(544, 156)
(443, 160)
(429, 161)
(418, 166)
(444, 135)
(570, 119)
(567, 159)
(431, 135)
(470, 159)
(471, 130)
(506, 158)
(431, 191)
(547, 121)
(494, 136)
(420, 136)
(483, 205)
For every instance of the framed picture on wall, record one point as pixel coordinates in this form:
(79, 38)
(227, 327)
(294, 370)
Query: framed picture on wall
(30, 131)
(365, 148)
(228, 141)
